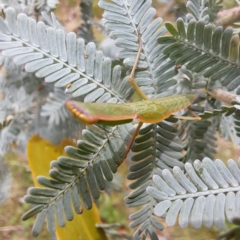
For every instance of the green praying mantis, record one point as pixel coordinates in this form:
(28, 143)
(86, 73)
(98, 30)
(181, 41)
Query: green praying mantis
(145, 111)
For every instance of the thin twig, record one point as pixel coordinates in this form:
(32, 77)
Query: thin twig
(222, 95)
(10, 228)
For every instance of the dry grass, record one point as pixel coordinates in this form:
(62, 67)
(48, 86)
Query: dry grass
(12, 228)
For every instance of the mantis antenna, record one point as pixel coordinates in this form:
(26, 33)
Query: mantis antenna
(131, 77)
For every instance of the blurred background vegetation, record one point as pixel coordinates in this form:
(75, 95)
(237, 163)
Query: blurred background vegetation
(111, 205)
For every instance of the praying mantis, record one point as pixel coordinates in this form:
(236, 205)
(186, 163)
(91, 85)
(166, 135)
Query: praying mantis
(145, 111)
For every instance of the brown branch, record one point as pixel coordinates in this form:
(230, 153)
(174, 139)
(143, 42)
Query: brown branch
(10, 228)
(222, 95)
(229, 16)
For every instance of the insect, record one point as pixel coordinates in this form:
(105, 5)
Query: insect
(146, 111)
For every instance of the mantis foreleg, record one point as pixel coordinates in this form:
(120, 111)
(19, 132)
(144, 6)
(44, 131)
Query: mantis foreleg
(131, 77)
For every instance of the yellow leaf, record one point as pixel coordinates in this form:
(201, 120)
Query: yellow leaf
(40, 153)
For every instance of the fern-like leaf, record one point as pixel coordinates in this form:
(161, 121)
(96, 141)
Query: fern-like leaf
(83, 173)
(55, 108)
(205, 194)
(211, 49)
(203, 9)
(64, 63)
(130, 21)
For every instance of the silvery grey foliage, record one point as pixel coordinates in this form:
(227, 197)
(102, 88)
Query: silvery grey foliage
(5, 181)
(51, 4)
(203, 194)
(183, 62)
(22, 95)
(203, 9)
(30, 7)
(55, 108)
